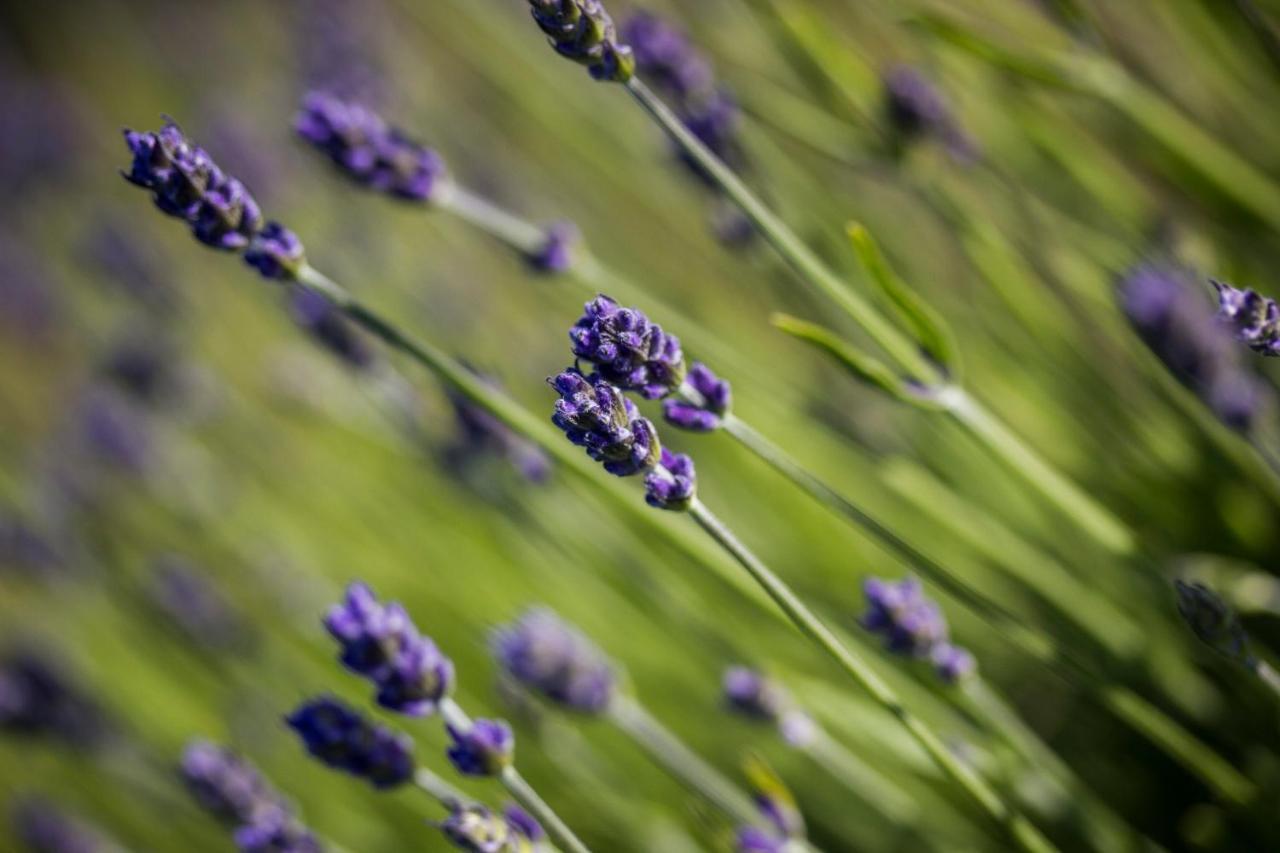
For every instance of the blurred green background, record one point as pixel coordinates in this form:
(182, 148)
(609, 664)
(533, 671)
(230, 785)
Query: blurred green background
(271, 475)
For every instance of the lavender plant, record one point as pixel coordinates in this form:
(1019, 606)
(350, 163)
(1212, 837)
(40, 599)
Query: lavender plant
(1216, 625)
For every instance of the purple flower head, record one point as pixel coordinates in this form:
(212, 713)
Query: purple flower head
(474, 828)
(482, 750)
(276, 253)
(329, 328)
(340, 737)
(524, 823)
(276, 831)
(1253, 319)
(38, 699)
(114, 430)
(666, 57)
(703, 402)
(909, 623)
(672, 483)
(369, 150)
(1212, 621)
(916, 109)
(627, 349)
(753, 839)
(556, 254)
(581, 30)
(381, 643)
(43, 828)
(545, 654)
(1179, 328)
(225, 785)
(595, 415)
(952, 663)
(229, 217)
(749, 692)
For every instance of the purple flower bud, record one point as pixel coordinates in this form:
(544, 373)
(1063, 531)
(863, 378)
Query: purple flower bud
(1212, 621)
(899, 612)
(672, 483)
(485, 749)
(524, 823)
(228, 217)
(42, 828)
(1254, 319)
(276, 831)
(225, 785)
(545, 654)
(627, 349)
(37, 698)
(369, 150)
(752, 839)
(474, 828)
(276, 253)
(328, 327)
(381, 643)
(952, 663)
(704, 400)
(556, 254)
(595, 415)
(581, 30)
(748, 692)
(340, 737)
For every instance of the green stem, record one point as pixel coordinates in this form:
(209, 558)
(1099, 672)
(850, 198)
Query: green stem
(437, 788)
(1026, 835)
(680, 761)
(520, 789)
(862, 779)
(1266, 673)
(520, 234)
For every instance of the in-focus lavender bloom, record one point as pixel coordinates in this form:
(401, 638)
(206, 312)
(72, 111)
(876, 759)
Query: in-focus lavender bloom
(672, 483)
(37, 698)
(474, 828)
(595, 415)
(485, 749)
(186, 183)
(368, 149)
(1253, 318)
(225, 785)
(556, 254)
(581, 30)
(276, 253)
(381, 643)
(1178, 326)
(41, 827)
(1212, 620)
(916, 110)
(628, 349)
(547, 655)
(276, 831)
(342, 738)
(330, 328)
(705, 408)
(190, 600)
(912, 625)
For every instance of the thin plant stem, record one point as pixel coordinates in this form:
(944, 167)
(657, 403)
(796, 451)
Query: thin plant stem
(520, 234)
(1266, 673)
(861, 778)
(437, 788)
(1064, 494)
(520, 789)
(681, 761)
(964, 776)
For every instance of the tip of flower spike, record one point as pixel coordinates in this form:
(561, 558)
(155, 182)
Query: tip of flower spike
(546, 654)
(1211, 619)
(485, 749)
(342, 738)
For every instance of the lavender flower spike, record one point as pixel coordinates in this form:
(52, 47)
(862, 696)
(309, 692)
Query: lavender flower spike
(913, 626)
(474, 828)
(595, 415)
(339, 736)
(226, 785)
(703, 402)
(1254, 319)
(556, 254)
(1212, 620)
(582, 30)
(276, 253)
(672, 484)
(545, 654)
(381, 643)
(278, 831)
(628, 349)
(485, 749)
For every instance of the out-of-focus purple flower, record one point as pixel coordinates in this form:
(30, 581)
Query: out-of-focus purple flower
(547, 655)
(30, 301)
(666, 57)
(1212, 621)
(340, 737)
(485, 749)
(113, 430)
(672, 483)
(277, 830)
(276, 253)
(753, 839)
(186, 183)
(381, 643)
(41, 827)
(1253, 318)
(628, 349)
(225, 785)
(480, 434)
(916, 110)
(595, 415)
(143, 366)
(369, 150)
(703, 402)
(115, 255)
(556, 254)
(341, 45)
(330, 328)
(191, 601)
(476, 829)
(37, 698)
(912, 625)
(50, 143)
(27, 548)
(748, 692)
(524, 823)
(1179, 327)
(581, 30)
